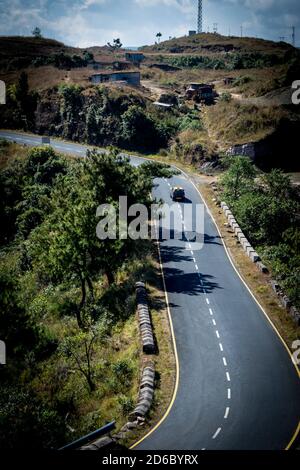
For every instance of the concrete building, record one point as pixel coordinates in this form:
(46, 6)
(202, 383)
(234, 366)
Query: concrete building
(129, 78)
(192, 33)
(135, 58)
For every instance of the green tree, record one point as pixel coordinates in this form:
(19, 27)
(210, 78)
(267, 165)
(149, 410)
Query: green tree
(139, 130)
(26, 422)
(18, 329)
(159, 35)
(24, 102)
(238, 179)
(37, 32)
(284, 259)
(65, 247)
(79, 351)
(116, 45)
(88, 56)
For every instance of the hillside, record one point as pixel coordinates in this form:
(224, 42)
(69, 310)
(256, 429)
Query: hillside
(251, 79)
(19, 51)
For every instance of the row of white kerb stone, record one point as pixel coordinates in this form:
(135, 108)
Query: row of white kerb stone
(249, 250)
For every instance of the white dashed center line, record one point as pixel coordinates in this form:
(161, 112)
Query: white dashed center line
(211, 312)
(229, 393)
(224, 362)
(217, 433)
(221, 346)
(214, 322)
(227, 412)
(228, 376)
(207, 301)
(218, 334)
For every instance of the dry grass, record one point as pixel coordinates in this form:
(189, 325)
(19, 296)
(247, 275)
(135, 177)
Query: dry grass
(42, 78)
(215, 42)
(236, 122)
(10, 151)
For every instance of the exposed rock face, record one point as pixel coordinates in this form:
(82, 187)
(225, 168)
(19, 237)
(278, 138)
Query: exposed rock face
(276, 150)
(246, 150)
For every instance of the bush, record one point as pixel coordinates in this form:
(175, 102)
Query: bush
(140, 131)
(28, 423)
(239, 81)
(226, 97)
(123, 371)
(62, 60)
(190, 122)
(126, 404)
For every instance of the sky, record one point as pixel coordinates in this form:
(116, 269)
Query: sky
(86, 23)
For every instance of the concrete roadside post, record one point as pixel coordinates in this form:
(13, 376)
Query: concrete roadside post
(2, 353)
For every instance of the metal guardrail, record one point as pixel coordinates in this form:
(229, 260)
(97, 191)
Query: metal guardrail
(90, 437)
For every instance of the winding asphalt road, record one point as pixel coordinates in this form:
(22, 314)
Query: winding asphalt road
(238, 388)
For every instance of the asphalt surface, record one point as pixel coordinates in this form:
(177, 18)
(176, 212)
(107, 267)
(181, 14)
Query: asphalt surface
(238, 388)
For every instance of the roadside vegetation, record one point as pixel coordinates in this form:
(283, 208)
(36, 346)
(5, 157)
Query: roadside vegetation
(267, 208)
(98, 115)
(67, 302)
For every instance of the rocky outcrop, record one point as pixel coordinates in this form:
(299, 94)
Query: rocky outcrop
(274, 150)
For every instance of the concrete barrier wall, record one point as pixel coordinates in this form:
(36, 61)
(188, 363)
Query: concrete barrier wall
(249, 250)
(146, 392)
(255, 258)
(144, 319)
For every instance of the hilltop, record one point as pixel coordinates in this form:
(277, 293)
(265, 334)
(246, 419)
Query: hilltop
(205, 43)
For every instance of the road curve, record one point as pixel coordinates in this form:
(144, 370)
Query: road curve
(238, 388)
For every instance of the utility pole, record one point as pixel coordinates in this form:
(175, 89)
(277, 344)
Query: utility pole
(200, 17)
(293, 36)
(215, 25)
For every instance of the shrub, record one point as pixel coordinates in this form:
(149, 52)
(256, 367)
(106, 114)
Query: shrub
(226, 97)
(123, 371)
(242, 80)
(126, 404)
(28, 423)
